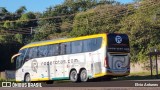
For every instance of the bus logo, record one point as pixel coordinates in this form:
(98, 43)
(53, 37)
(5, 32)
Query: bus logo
(34, 66)
(118, 39)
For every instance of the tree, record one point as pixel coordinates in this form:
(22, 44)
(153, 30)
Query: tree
(26, 20)
(43, 32)
(104, 18)
(3, 15)
(142, 29)
(21, 10)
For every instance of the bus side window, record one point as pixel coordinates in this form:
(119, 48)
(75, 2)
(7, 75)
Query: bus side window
(63, 48)
(32, 53)
(98, 43)
(95, 43)
(50, 50)
(35, 50)
(92, 44)
(77, 47)
(42, 51)
(68, 48)
(86, 46)
(56, 49)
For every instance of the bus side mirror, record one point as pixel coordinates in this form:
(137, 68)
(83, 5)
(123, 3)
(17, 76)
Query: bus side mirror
(14, 56)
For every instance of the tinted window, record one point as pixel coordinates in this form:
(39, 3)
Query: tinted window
(63, 48)
(86, 45)
(96, 43)
(68, 48)
(54, 50)
(77, 47)
(92, 44)
(42, 51)
(31, 53)
(50, 50)
(27, 55)
(20, 59)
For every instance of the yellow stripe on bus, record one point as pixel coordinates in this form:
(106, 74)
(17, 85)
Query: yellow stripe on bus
(47, 42)
(40, 79)
(99, 75)
(118, 74)
(103, 74)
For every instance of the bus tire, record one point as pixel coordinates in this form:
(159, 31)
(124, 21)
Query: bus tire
(73, 76)
(83, 75)
(27, 78)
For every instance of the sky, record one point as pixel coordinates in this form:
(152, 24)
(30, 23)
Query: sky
(36, 5)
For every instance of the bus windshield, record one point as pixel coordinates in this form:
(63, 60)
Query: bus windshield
(118, 43)
(20, 59)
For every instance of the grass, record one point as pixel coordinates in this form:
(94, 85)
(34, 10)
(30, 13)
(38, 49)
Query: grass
(140, 73)
(2, 80)
(140, 76)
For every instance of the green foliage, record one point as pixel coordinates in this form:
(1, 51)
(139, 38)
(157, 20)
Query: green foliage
(103, 18)
(44, 31)
(21, 10)
(24, 20)
(9, 25)
(143, 29)
(6, 39)
(19, 38)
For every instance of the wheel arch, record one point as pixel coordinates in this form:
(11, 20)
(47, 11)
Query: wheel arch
(25, 75)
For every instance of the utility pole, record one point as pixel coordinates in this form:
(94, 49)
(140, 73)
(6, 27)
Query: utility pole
(31, 31)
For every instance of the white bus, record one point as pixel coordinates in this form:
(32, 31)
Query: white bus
(77, 59)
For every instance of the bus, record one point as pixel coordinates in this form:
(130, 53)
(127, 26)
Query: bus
(77, 59)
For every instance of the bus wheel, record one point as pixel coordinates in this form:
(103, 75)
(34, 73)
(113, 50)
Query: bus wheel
(27, 78)
(83, 75)
(73, 76)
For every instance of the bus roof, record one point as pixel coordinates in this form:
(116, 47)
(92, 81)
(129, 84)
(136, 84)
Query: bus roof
(54, 41)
